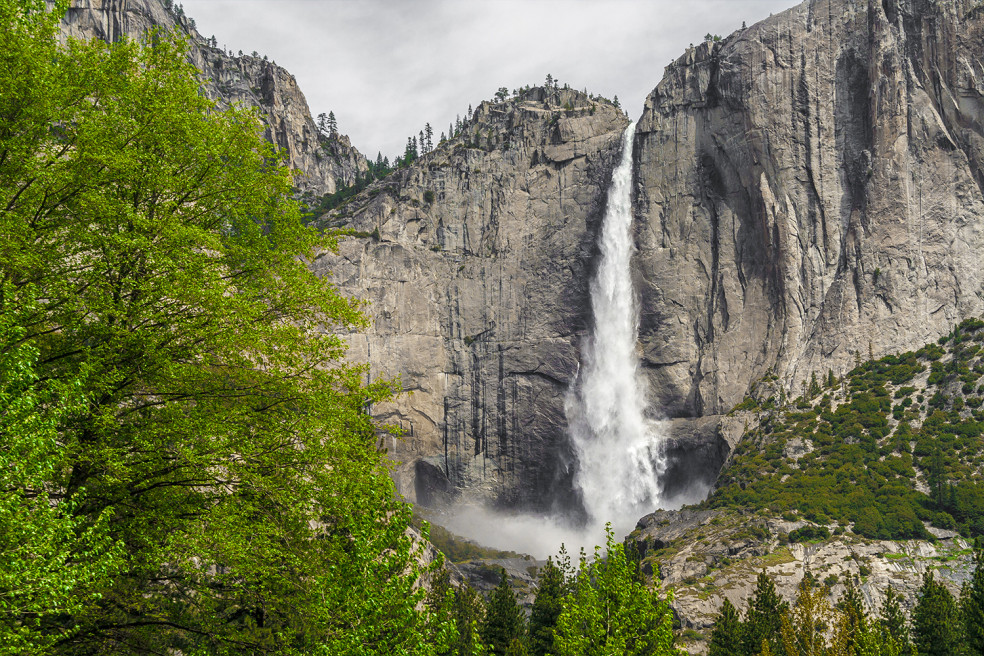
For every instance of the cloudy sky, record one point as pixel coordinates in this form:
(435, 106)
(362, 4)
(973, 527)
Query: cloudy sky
(387, 67)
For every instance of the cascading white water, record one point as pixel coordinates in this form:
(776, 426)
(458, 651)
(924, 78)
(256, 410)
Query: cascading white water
(618, 446)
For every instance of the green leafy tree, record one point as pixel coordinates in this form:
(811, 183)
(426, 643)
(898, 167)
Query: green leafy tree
(972, 606)
(936, 625)
(222, 463)
(805, 626)
(503, 623)
(855, 617)
(52, 558)
(763, 619)
(468, 611)
(609, 611)
(546, 609)
(893, 624)
(726, 639)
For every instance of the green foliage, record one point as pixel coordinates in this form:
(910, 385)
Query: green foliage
(52, 558)
(972, 607)
(809, 533)
(210, 468)
(546, 610)
(936, 625)
(726, 639)
(860, 454)
(503, 623)
(763, 619)
(893, 628)
(610, 612)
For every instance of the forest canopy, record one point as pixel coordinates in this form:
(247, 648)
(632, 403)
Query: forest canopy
(186, 464)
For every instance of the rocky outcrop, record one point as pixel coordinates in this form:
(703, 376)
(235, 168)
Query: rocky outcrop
(323, 164)
(708, 556)
(808, 188)
(475, 263)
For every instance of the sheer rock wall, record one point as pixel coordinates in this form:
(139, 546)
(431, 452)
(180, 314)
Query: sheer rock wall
(809, 188)
(475, 262)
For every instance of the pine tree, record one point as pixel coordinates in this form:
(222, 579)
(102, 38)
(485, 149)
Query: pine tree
(763, 619)
(549, 81)
(423, 143)
(726, 639)
(893, 623)
(503, 619)
(468, 611)
(972, 605)
(546, 610)
(855, 617)
(936, 477)
(429, 135)
(332, 125)
(936, 625)
(616, 103)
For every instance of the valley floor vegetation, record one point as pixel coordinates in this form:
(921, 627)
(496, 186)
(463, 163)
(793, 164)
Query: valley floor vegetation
(940, 625)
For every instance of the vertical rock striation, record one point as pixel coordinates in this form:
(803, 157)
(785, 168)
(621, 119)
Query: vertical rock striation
(323, 165)
(475, 264)
(810, 188)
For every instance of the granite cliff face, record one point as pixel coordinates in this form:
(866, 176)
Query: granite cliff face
(809, 188)
(323, 165)
(475, 262)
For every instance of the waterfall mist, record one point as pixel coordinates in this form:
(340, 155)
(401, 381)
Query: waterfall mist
(617, 443)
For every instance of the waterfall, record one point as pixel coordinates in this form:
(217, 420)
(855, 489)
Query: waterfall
(618, 446)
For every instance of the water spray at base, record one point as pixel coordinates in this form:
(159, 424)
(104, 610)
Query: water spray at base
(618, 447)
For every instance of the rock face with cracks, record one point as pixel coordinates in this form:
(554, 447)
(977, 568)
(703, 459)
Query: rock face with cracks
(475, 262)
(323, 164)
(810, 188)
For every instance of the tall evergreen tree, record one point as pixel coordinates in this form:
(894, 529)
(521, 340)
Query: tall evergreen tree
(726, 639)
(936, 625)
(892, 621)
(763, 619)
(855, 617)
(332, 125)
(972, 605)
(468, 611)
(429, 136)
(503, 621)
(546, 610)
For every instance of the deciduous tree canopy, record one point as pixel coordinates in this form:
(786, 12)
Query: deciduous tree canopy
(198, 465)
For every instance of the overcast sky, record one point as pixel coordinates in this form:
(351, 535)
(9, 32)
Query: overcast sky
(387, 67)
